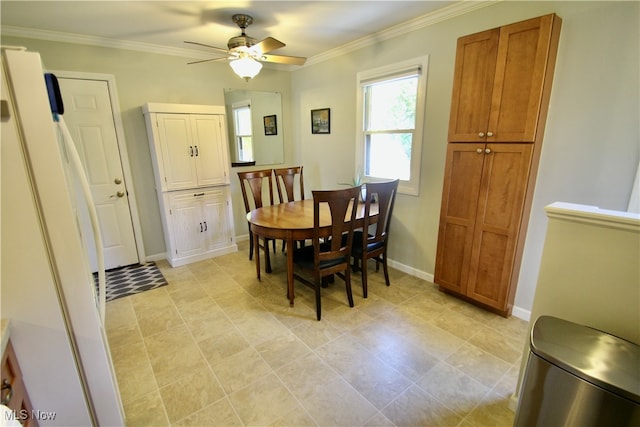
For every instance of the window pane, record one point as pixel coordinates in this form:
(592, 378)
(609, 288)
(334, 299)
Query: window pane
(392, 104)
(243, 121)
(245, 149)
(388, 155)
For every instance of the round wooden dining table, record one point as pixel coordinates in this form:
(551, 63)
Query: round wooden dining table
(292, 222)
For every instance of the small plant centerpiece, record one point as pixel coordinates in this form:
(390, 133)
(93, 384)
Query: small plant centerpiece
(356, 181)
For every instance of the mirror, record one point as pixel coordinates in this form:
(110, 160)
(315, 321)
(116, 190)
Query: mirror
(254, 126)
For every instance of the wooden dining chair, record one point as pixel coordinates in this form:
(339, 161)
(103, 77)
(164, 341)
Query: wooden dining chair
(286, 184)
(255, 180)
(329, 254)
(373, 243)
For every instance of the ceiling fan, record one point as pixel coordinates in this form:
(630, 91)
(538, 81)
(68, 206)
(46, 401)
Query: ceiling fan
(245, 53)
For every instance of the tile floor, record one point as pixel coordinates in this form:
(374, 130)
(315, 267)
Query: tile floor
(217, 347)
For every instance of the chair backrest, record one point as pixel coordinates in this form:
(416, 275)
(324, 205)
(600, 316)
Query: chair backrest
(385, 196)
(255, 180)
(285, 178)
(343, 207)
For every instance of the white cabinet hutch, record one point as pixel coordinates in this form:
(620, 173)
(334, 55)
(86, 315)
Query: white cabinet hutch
(190, 157)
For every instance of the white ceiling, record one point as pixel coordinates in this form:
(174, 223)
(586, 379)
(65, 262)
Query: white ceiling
(309, 28)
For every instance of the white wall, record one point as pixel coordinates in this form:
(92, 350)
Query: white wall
(591, 146)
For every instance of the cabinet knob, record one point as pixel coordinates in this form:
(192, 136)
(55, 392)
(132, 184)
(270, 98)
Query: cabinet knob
(481, 134)
(489, 134)
(479, 151)
(487, 150)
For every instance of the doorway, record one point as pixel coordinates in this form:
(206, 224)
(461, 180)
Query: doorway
(92, 116)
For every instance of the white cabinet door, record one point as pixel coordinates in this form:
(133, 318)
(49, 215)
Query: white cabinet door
(177, 147)
(187, 224)
(214, 208)
(210, 150)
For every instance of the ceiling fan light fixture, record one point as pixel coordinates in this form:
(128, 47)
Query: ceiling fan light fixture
(246, 67)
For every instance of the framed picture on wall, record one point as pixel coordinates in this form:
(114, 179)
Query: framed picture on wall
(321, 120)
(270, 125)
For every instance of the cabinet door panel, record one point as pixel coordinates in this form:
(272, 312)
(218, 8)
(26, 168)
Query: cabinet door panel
(463, 174)
(187, 224)
(472, 86)
(215, 217)
(500, 207)
(177, 150)
(519, 80)
(210, 159)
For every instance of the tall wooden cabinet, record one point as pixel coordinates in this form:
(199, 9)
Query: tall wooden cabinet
(501, 89)
(190, 155)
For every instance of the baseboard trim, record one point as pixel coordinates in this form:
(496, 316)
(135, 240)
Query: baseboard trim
(157, 257)
(521, 313)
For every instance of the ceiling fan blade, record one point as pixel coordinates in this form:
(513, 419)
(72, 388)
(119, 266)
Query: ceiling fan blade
(282, 59)
(267, 45)
(207, 60)
(211, 47)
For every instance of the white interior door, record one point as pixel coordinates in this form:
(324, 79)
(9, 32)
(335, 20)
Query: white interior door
(89, 117)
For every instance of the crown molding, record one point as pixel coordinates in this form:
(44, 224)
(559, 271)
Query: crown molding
(448, 12)
(440, 15)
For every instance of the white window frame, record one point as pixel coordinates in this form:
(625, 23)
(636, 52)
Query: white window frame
(412, 186)
(236, 137)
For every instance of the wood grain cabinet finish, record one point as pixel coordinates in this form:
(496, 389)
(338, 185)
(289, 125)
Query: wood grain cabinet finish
(501, 79)
(14, 394)
(502, 84)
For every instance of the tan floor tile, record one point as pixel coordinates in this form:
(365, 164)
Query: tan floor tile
(336, 403)
(457, 390)
(493, 411)
(307, 376)
(220, 413)
(220, 347)
(402, 354)
(241, 369)
(314, 334)
(498, 343)
(264, 401)
(146, 411)
(479, 365)
(190, 393)
(218, 335)
(119, 313)
(282, 349)
(417, 408)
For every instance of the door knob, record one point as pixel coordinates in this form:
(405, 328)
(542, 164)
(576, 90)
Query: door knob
(120, 194)
(117, 181)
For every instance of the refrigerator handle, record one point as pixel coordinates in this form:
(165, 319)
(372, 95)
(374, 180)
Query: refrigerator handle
(95, 225)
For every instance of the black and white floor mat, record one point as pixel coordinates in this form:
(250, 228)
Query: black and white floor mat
(132, 279)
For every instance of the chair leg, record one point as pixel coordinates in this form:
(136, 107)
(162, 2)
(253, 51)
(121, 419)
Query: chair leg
(267, 258)
(318, 304)
(363, 273)
(250, 245)
(385, 269)
(347, 283)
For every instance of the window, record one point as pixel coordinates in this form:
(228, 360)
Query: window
(242, 127)
(391, 111)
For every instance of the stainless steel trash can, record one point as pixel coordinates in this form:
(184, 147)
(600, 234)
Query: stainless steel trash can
(579, 376)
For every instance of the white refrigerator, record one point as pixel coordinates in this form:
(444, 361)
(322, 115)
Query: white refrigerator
(46, 287)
